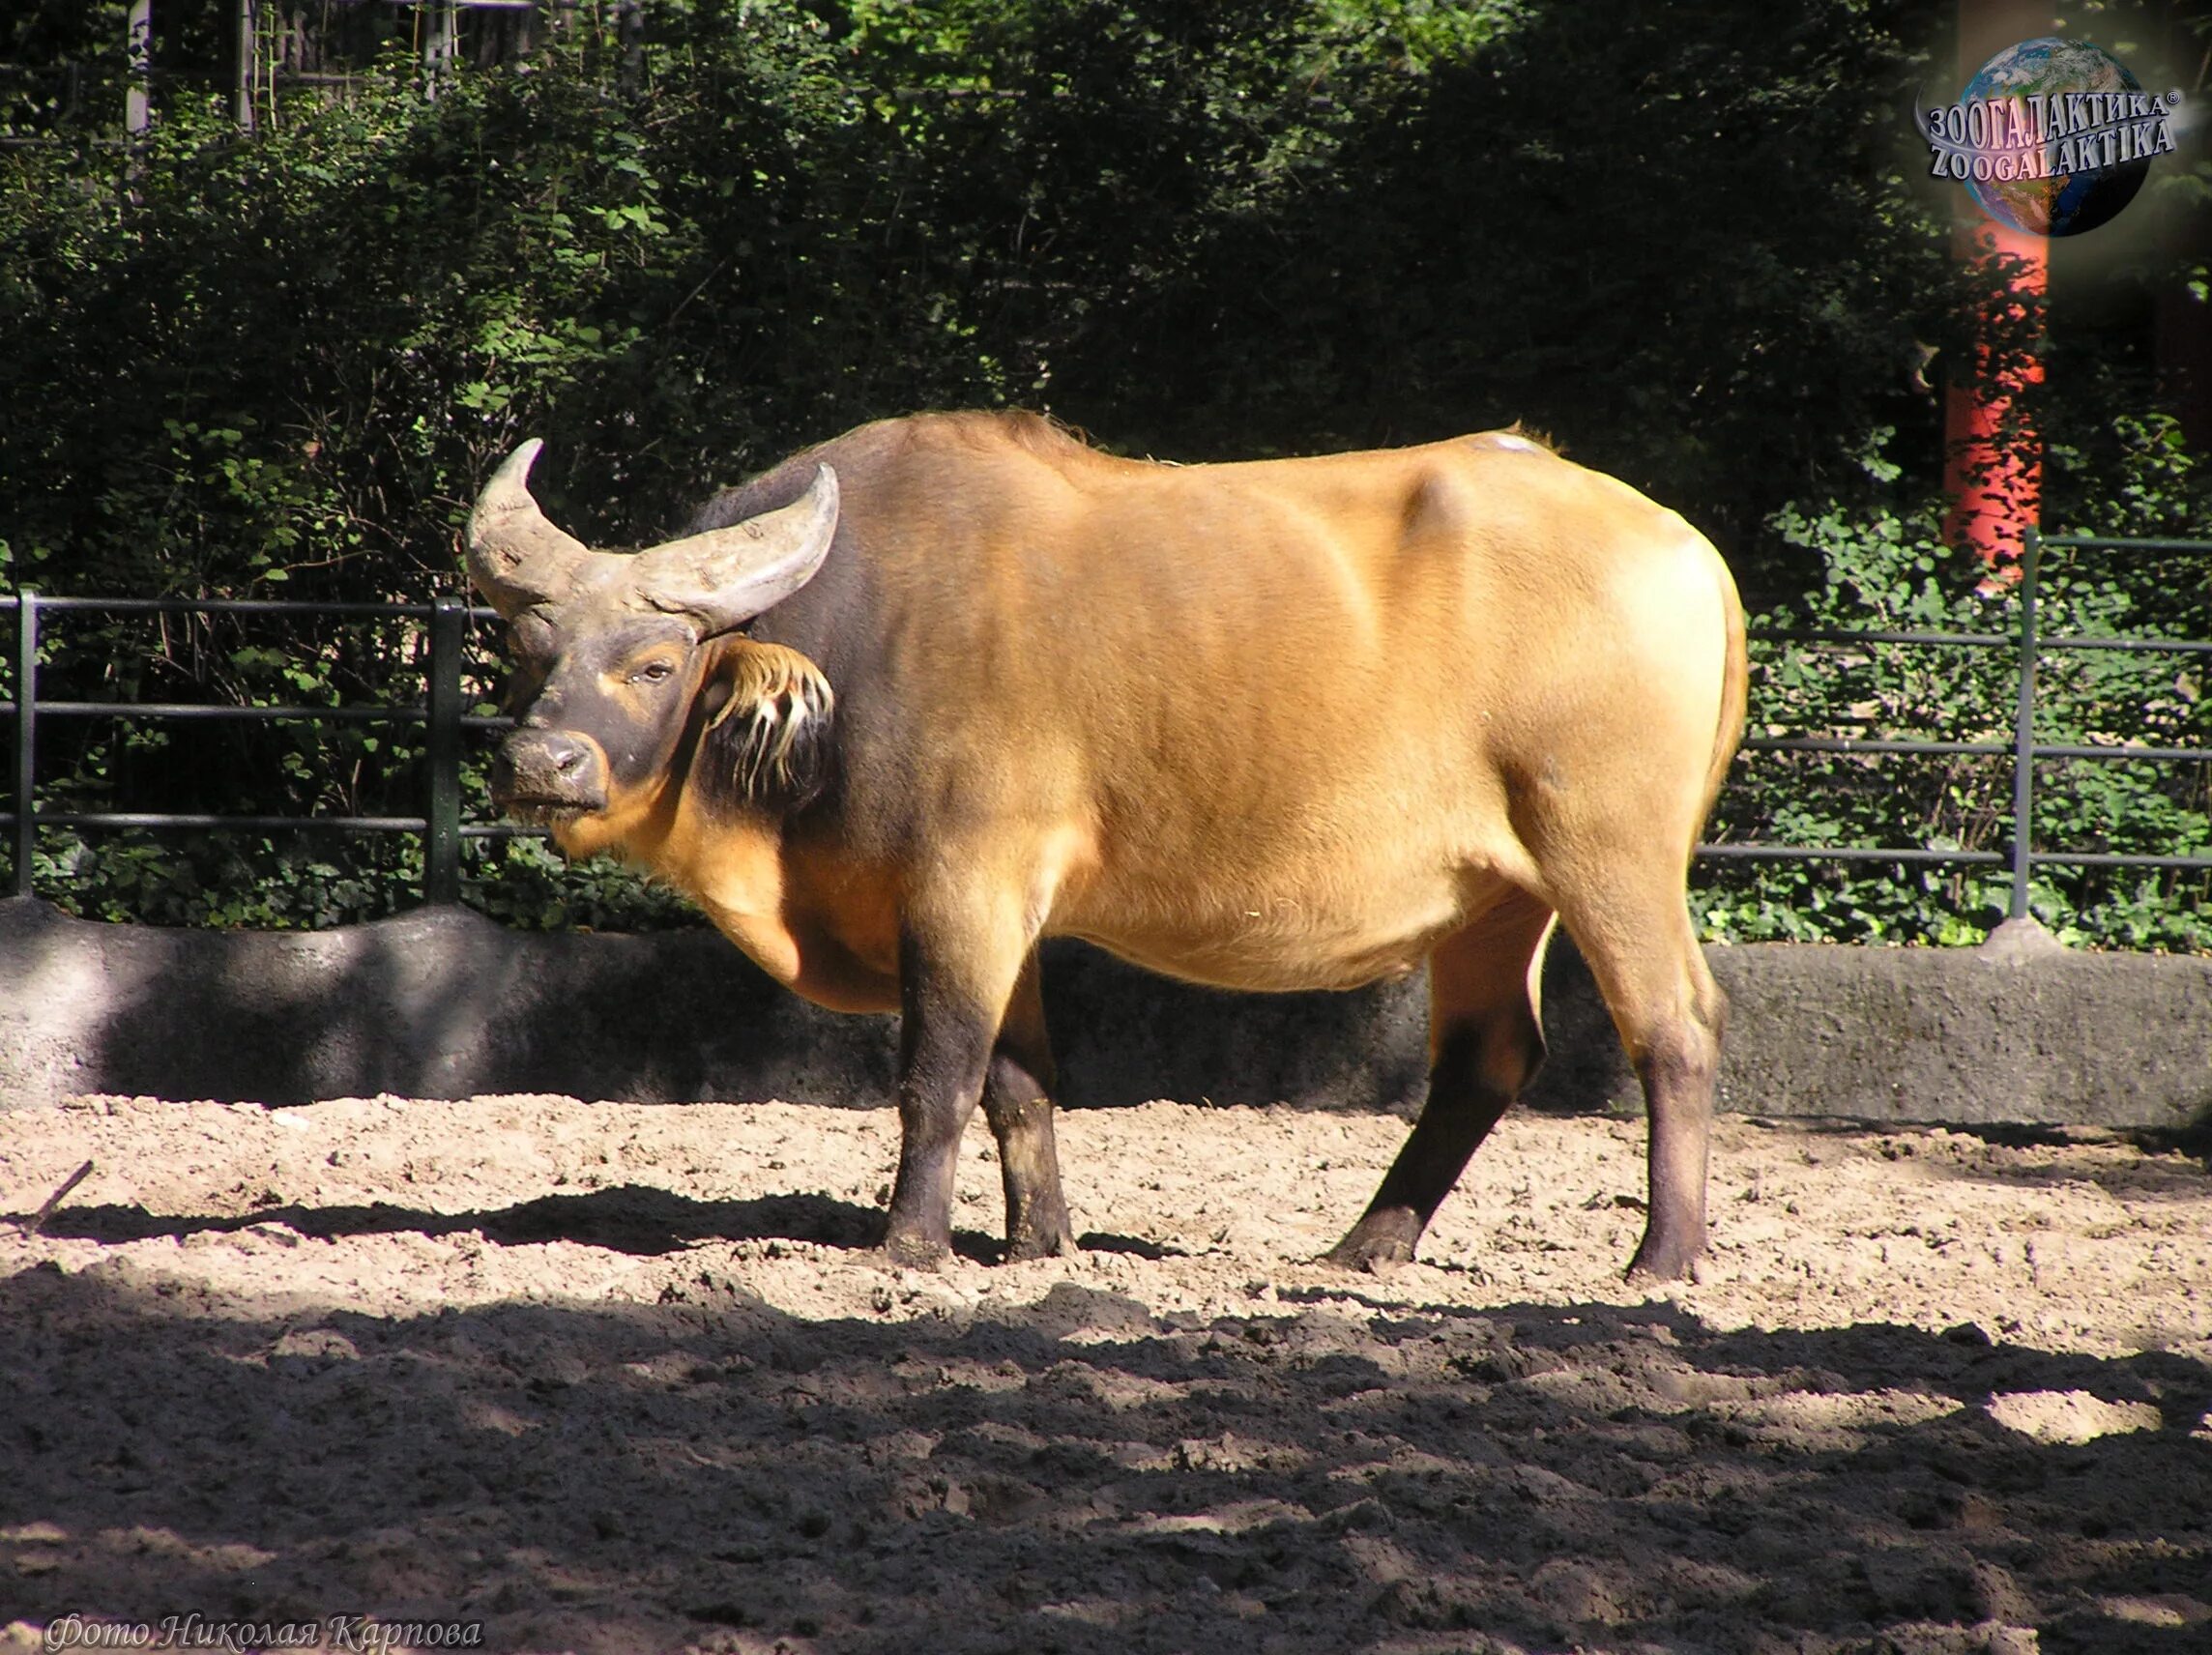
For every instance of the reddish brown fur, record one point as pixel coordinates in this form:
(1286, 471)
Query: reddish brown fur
(1281, 725)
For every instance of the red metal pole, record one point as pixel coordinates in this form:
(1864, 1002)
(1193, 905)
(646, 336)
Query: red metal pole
(1995, 474)
(1993, 457)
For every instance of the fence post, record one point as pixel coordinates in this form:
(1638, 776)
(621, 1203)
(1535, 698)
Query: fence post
(27, 735)
(442, 47)
(441, 852)
(139, 59)
(630, 30)
(248, 53)
(2024, 729)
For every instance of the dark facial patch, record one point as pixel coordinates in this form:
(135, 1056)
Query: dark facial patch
(534, 640)
(626, 686)
(768, 746)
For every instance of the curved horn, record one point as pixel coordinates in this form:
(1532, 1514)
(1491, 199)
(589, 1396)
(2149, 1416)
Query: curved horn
(724, 577)
(516, 557)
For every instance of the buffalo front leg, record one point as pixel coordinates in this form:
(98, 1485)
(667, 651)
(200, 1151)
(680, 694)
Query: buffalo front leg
(1017, 1102)
(1486, 1042)
(954, 989)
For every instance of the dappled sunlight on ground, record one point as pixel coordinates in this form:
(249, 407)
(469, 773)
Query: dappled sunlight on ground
(628, 1377)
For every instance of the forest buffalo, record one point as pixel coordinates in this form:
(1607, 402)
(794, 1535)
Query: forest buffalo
(945, 685)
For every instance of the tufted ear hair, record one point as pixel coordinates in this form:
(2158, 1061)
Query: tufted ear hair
(768, 743)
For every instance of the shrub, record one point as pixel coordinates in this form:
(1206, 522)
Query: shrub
(1892, 571)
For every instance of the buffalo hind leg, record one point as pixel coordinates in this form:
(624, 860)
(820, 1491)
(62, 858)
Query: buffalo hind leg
(1486, 1041)
(1017, 1102)
(1670, 1014)
(955, 980)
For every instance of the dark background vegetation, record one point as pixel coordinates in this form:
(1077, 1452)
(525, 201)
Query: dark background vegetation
(1689, 241)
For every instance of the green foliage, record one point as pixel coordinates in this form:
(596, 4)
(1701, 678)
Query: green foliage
(227, 879)
(1892, 572)
(526, 883)
(1682, 240)
(1230, 229)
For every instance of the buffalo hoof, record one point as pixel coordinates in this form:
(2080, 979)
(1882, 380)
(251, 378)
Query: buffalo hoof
(911, 1252)
(1052, 1244)
(1377, 1251)
(1658, 1261)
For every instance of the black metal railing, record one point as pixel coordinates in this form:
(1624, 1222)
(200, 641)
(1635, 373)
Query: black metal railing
(2031, 645)
(443, 711)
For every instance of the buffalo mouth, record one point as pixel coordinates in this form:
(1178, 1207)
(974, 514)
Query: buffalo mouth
(547, 812)
(548, 778)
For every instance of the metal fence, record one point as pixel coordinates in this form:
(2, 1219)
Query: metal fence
(443, 711)
(2030, 645)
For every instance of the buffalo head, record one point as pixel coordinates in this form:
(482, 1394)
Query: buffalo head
(622, 659)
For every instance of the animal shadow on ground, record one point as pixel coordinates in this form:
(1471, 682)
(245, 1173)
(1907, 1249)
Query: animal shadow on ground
(1082, 1474)
(643, 1220)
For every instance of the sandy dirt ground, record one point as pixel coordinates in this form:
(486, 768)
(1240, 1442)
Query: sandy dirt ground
(604, 1378)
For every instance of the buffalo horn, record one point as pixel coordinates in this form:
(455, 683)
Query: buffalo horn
(516, 557)
(724, 577)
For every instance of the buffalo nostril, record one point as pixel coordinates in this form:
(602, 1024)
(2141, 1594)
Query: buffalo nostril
(562, 755)
(547, 766)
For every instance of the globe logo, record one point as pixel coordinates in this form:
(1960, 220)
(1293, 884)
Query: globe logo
(2051, 136)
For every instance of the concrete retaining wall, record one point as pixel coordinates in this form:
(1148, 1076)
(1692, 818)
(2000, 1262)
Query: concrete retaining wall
(443, 1003)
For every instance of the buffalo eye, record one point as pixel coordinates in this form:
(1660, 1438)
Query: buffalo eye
(652, 672)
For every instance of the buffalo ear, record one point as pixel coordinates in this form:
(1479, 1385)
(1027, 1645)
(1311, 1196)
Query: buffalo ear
(769, 742)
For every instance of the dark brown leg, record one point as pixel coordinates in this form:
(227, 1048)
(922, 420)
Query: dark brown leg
(946, 1031)
(1017, 1102)
(1679, 1067)
(1486, 1041)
